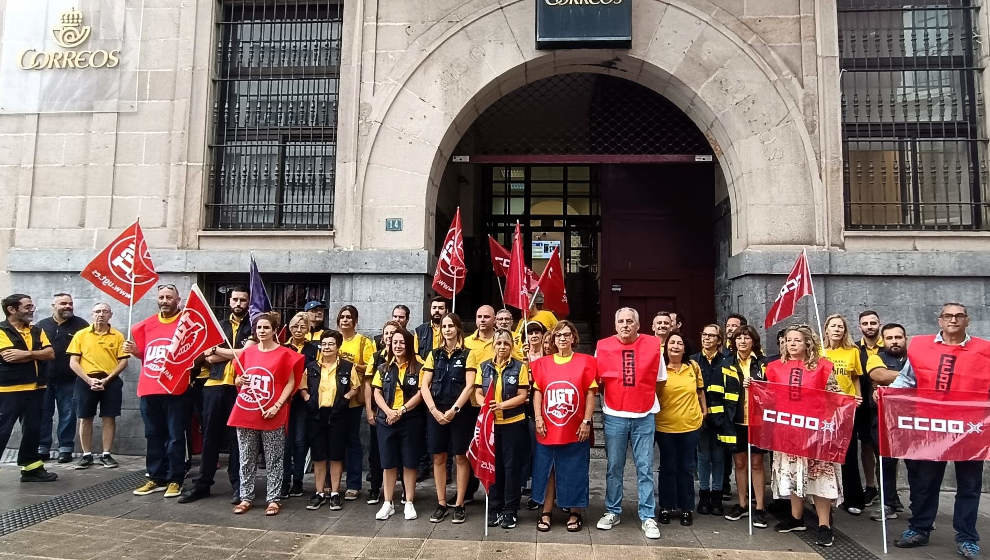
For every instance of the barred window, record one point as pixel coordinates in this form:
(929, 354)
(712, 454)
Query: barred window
(274, 143)
(288, 292)
(913, 145)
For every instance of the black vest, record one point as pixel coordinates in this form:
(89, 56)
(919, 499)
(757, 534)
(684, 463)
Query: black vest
(342, 377)
(510, 383)
(448, 376)
(24, 372)
(238, 339)
(410, 386)
(424, 334)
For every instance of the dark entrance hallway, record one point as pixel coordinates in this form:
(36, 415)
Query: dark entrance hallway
(606, 169)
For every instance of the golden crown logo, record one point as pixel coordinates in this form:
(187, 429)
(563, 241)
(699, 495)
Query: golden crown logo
(70, 32)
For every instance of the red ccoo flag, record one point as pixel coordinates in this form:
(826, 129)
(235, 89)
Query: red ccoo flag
(481, 452)
(797, 286)
(451, 270)
(552, 285)
(500, 257)
(517, 283)
(196, 330)
(934, 425)
(800, 420)
(124, 267)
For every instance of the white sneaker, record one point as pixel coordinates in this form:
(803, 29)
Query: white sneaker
(650, 529)
(410, 511)
(387, 510)
(608, 521)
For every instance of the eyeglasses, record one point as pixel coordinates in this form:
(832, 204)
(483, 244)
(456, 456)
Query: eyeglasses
(951, 316)
(563, 335)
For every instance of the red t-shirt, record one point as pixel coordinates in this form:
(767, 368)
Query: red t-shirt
(565, 389)
(794, 374)
(152, 337)
(264, 378)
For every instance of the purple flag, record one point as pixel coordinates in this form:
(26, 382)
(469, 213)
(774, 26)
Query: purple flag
(259, 296)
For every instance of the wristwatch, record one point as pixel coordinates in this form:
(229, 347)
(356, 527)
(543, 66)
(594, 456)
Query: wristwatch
(586, 422)
(456, 409)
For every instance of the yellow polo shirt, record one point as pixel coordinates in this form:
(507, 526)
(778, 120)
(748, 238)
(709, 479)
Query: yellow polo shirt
(359, 350)
(680, 409)
(523, 382)
(98, 352)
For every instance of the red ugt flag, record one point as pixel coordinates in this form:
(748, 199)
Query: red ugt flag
(934, 425)
(451, 270)
(797, 286)
(481, 452)
(124, 261)
(500, 257)
(517, 289)
(197, 329)
(552, 285)
(800, 421)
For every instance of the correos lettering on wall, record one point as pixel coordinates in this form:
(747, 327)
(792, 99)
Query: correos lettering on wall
(69, 33)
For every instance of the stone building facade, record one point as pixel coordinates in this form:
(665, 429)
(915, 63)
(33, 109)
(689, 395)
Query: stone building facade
(761, 82)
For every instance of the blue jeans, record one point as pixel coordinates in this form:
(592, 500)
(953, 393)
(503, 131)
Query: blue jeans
(58, 394)
(354, 460)
(678, 456)
(619, 433)
(711, 461)
(165, 420)
(295, 443)
(925, 479)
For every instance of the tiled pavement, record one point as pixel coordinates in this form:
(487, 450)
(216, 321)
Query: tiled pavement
(151, 527)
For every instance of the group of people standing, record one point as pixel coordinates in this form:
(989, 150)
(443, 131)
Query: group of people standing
(421, 391)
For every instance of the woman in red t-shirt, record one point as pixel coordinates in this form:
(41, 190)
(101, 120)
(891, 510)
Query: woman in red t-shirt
(267, 374)
(564, 389)
(796, 477)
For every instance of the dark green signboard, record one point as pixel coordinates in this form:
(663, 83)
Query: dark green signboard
(572, 24)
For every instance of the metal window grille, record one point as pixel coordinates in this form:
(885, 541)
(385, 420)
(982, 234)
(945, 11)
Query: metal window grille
(583, 113)
(275, 113)
(913, 146)
(288, 293)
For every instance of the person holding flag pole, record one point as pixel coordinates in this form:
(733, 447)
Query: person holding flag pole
(946, 366)
(794, 477)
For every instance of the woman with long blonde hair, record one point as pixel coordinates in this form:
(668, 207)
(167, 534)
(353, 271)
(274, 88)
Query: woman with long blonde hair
(796, 477)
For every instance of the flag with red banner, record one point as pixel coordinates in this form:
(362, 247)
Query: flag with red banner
(934, 425)
(800, 421)
(451, 270)
(551, 284)
(500, 257)
(797, 285)
(123, 267)
(196, 330)
(517, 283)
(481, 452)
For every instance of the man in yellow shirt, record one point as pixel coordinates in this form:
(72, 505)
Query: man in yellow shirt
(22, 348)
(97, 357)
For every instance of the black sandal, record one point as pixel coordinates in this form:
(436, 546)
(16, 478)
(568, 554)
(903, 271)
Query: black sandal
(575, 525)
(543, 525)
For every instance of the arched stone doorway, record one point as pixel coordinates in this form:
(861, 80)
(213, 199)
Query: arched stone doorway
(717, 71)
(608, 172)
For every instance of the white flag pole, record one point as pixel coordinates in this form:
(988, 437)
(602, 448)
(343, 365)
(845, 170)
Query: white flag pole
(814, 296)
(501, 292)
(486, 513)
(216, 324)
(130, 306)
(883, 507)
(749, 476)
(453, 298)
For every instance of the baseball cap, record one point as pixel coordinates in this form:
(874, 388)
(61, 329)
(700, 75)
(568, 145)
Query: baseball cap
(314, 304)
